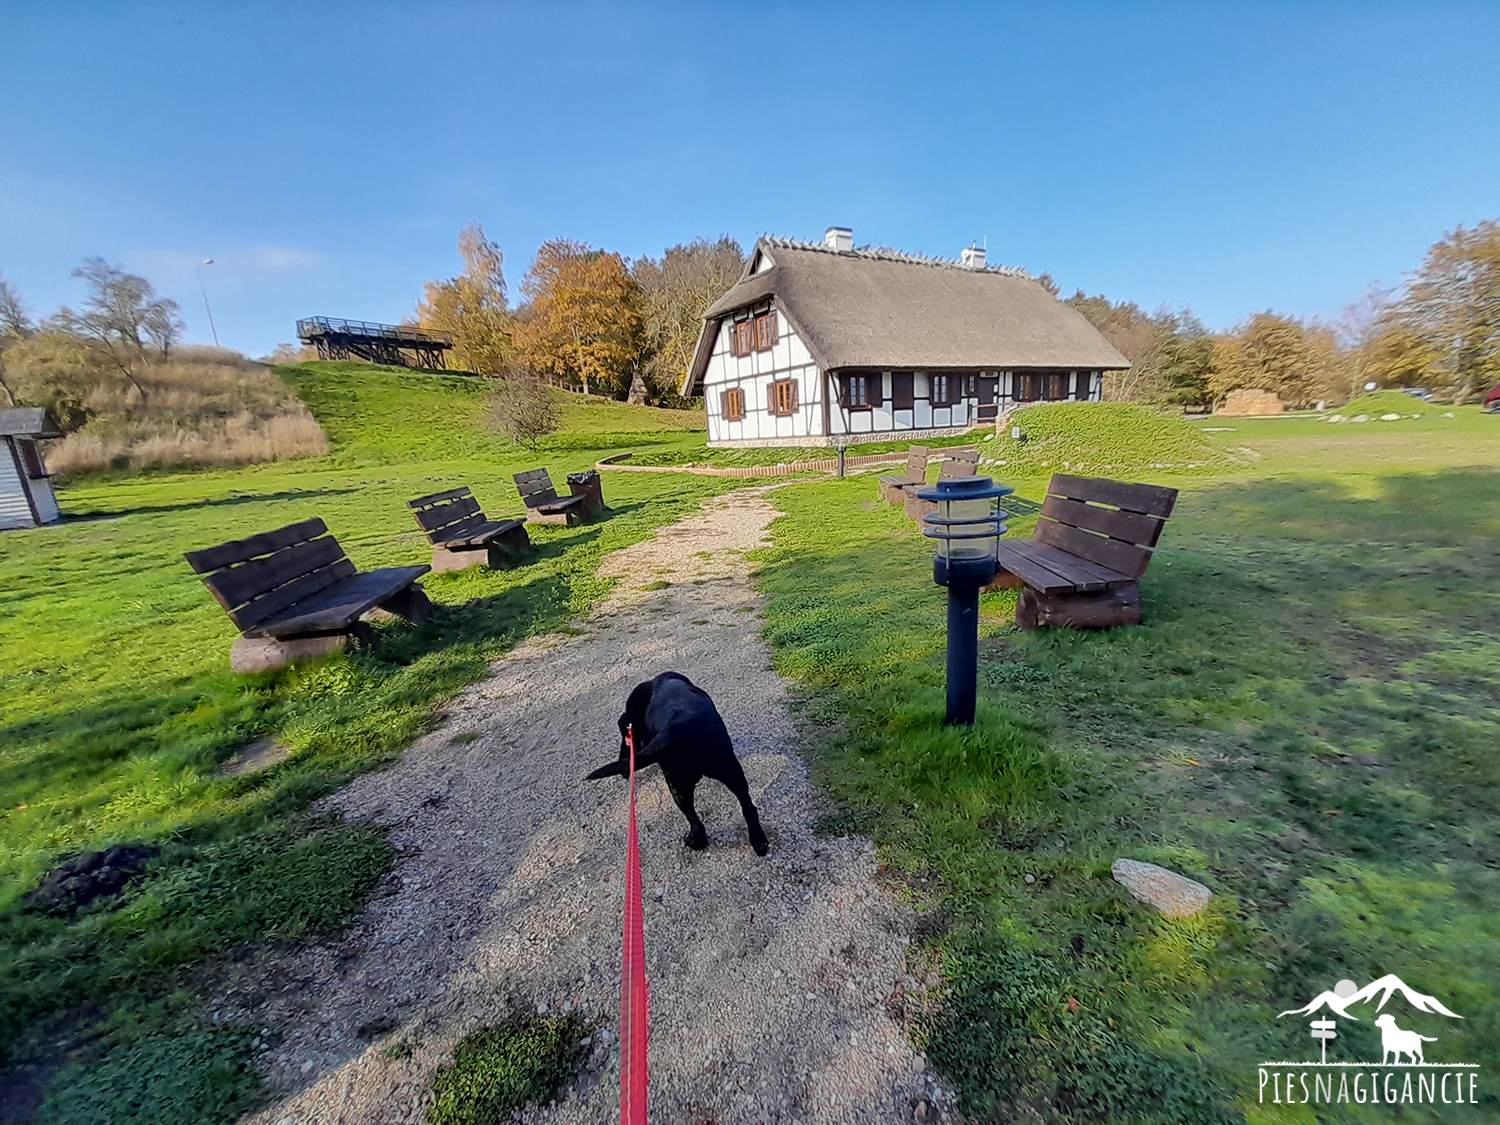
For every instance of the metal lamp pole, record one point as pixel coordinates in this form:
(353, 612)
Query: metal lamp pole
(204, 290)
(967, 526)
(841, 443)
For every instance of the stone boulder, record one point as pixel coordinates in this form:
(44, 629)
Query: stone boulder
(91, 875)
(1174, 895)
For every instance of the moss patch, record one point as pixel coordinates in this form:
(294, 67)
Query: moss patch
(497, 1070)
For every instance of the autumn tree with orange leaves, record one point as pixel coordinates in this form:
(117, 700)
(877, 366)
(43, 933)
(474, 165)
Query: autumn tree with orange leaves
(582, 321)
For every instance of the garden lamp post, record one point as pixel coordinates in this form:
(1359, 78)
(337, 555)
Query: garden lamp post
(841, 443)
(967, 527)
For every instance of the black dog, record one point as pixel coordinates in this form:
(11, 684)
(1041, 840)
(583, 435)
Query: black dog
(678, 727)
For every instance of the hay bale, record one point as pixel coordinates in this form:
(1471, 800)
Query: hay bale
(1247, 402)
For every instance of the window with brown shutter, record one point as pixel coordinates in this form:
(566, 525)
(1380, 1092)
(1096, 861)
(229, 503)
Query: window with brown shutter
(861, 392)
(902, 395)
(784, 397)
(732, 404)
(1026, 387)
(766, 332)
(1057, 386)
(1085, 380)
(946, 389)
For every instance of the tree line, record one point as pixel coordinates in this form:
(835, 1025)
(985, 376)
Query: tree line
(1440, 330)
(588, 318)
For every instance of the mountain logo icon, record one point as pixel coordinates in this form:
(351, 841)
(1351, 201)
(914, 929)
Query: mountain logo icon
(1346, 993)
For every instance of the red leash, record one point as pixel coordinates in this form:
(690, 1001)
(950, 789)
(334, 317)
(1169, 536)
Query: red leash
(633, 1005)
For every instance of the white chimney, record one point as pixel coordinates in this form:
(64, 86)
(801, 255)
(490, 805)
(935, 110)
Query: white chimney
(972, 258)
(840, 239)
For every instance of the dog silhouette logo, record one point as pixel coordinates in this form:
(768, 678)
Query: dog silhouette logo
(1403, 1074)
(1395, 1041)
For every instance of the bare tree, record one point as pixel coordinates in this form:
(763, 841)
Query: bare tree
(675, 293)
(15, 325)
(123, 316)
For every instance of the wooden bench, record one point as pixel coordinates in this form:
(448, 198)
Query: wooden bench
(958, 463)
(892, 487)
(1093, 541)
(544, 504)
(294, 595)
(461, 535)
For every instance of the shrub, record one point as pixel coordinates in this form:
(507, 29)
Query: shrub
(525, 410)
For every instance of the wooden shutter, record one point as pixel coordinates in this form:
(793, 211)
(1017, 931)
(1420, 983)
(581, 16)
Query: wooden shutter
(987, 384)
(902, 395)
(1057, 386)
(1084, 384)
(765, 332)
(732, 404)
(875, 389)
(784, 397)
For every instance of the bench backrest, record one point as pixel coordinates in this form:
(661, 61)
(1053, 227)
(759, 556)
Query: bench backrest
(535, 487)
(1105, 521)
(446, 515)
(916, 464)
(959, 463)
(256, 578)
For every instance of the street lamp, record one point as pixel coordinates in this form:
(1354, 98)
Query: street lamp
(967, 527)
(203, 289)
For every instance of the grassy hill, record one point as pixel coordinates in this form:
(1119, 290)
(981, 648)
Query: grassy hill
(117, 705)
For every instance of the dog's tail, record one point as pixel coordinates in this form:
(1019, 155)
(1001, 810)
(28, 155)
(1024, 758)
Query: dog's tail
(1427, 1038)
(615, 769)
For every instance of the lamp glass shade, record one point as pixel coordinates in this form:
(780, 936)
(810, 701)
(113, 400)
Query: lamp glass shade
(969, 517)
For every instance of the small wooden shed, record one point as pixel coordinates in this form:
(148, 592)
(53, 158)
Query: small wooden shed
(26, 496)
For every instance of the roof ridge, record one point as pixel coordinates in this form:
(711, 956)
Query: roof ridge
(884, 254)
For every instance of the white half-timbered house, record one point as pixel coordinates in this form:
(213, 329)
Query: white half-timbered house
(817, 342)
(26, 497)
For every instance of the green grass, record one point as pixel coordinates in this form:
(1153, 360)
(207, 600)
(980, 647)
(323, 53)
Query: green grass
(497, 1070)
(1387, 402)
(117, 706)
(1306, 723)
(1105, 439)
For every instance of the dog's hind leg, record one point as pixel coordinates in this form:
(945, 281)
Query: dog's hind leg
(682, 788)
(732, 774)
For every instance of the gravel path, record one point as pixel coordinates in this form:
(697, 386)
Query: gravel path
(777, 984)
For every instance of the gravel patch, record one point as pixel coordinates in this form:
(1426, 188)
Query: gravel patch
(778, 984)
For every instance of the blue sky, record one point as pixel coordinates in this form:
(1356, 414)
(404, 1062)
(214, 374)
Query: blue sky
(1230, 158)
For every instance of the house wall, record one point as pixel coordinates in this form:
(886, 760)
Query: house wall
(754, 374)
(924, 415)
(14, 510)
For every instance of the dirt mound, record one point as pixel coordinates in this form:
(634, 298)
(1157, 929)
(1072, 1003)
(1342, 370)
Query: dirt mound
(1104, 438)
(89, 876)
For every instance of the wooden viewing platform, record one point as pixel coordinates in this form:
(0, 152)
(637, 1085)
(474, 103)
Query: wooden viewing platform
(399, 345)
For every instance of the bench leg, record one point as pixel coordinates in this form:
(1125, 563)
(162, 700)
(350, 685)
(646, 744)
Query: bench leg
(410, 603)
(1005, 580)
(1102, 609)
(508, 549)
(445, 560)
(261, 654)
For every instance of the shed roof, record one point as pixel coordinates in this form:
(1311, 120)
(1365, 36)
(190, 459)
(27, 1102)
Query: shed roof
(27, 421)
(885, 309)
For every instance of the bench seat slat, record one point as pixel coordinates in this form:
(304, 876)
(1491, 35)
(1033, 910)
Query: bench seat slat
(482, 534)
(239, 550)
(1094, 576)
(555, 503)
(1147, 499)
(1048, 573)
(339, 606)
(248, 616)
(236, 585)
(1130, 527)
(1126, 558)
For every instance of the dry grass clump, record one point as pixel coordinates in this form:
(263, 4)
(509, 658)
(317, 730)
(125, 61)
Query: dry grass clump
(206, 407)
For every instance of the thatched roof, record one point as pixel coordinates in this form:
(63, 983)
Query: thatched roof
(882, 309)
(27, 421)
